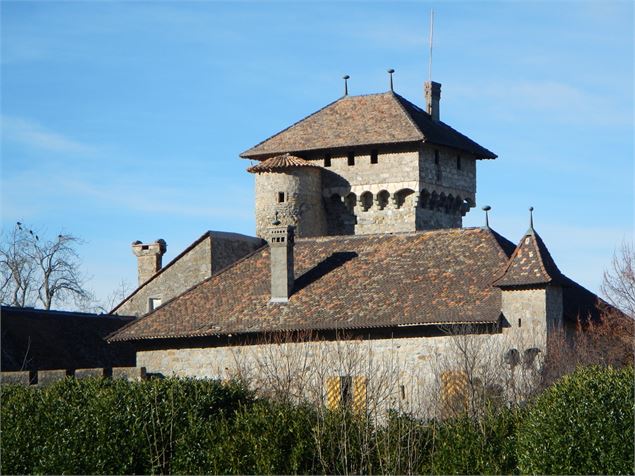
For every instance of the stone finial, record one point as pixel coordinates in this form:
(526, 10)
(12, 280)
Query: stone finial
(486, 209)
(346, 77)
(390, 72)
(531, 219)
(433, 98)
(149, 258)
(281, 242)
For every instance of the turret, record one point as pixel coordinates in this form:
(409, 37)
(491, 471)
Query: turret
(289, 189)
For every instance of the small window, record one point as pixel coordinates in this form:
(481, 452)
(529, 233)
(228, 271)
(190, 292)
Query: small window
(351, 158)
(519, 322)
(327, 160)
(458, 162)
(374, 157)
(153, 303)
(402, 390)
(281, 197)
(436, 157)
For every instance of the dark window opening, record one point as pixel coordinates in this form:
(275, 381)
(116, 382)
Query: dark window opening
(280, 197)
(436, 157)
(374, 157)
(519, 322)
(327, 160)
(145, 247)
(351, 158)
(346, 389)
(458, 162)
(402, 389)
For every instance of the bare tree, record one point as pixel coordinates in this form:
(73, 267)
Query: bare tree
(618, 285)
(35, 270)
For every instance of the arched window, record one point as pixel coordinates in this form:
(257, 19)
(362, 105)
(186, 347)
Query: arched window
(366, 200)
(350, 201)
(404, 197)
(382, 199)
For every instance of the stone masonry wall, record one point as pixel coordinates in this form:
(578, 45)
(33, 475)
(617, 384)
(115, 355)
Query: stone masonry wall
(302, 205)
(532, 313)
(446, 177)
(192, 268)
(212, 254)
(405, 369)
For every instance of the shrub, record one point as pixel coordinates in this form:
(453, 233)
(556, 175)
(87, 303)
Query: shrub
(101, 426)
(581, 425)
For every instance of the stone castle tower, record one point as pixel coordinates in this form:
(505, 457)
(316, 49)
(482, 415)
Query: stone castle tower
(367, 164)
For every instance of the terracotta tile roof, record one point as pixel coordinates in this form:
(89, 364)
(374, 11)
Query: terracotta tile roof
(373, 119)
(349, 282)
(279, 162)
(531, 264)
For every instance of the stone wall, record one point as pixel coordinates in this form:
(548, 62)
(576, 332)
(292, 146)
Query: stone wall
(405, 190)
(296, 196)
(401, 371)
(211, 253)
(532, 313)
(446, 176)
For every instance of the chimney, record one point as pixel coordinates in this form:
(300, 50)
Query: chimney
(433, 97)
(281, 240)
(148, 258)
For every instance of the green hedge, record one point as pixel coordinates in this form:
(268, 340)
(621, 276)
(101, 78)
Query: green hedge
(583, 424)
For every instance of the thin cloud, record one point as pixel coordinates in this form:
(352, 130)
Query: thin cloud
(555, 100)
(33, 135)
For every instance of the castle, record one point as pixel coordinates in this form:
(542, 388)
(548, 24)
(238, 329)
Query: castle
(367, 164)
(359, 212)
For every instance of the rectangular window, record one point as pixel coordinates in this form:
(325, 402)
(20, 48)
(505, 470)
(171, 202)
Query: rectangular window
(327, 160)
(458, 162)
(374, 157)
(280, 197)
(153, 303)
(436, 157)
(351, 158)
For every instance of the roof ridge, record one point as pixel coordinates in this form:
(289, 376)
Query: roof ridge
(242, 156)
(398, 99)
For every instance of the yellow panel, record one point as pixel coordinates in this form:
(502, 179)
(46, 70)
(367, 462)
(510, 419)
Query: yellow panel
(333, 393)
(359, 393)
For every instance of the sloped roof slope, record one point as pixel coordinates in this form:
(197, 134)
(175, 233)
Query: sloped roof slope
(531, 264)
(348, 282)
(373, 119)
(280, 162)
(36, 339)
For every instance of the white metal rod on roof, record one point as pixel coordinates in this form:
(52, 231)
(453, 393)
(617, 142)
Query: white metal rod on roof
(431, 38)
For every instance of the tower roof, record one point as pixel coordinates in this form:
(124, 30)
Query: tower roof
(530, 264)
(280, 162)
(374, 119)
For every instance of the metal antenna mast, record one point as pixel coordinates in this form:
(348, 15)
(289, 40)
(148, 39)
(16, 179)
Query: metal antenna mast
(431, 38)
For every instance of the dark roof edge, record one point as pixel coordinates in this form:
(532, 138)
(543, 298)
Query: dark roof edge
(207, 234)
(300, 329)
(41, 313)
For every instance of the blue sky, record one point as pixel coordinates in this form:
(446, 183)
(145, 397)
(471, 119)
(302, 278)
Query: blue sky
(124, 120)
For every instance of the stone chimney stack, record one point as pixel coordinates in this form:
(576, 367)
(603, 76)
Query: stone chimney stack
(433, 98)
(148, 258)
(281, 241)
